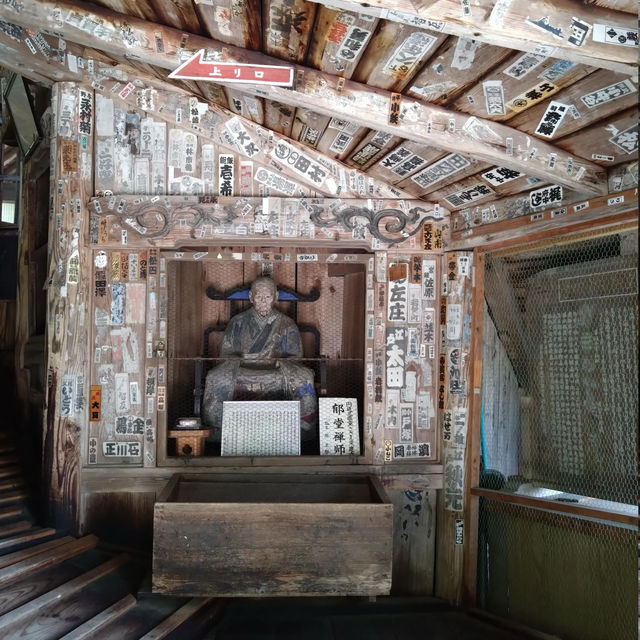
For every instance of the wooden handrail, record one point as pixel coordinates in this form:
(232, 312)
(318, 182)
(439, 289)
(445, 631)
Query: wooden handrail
(568, 508)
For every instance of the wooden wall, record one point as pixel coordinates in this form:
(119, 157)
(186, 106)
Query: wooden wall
(109, 309)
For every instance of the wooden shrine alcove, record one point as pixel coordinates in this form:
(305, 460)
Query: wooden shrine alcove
(331, 320)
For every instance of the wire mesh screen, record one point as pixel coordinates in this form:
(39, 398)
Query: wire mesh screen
(330, 327)
(560, 362)
(569, 577)
(560, 422)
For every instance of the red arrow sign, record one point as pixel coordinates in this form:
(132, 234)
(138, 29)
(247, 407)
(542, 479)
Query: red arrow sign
(197, 68)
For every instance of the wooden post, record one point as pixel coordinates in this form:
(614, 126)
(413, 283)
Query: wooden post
(473, 434)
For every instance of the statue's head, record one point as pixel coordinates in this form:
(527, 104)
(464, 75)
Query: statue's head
(262, 295)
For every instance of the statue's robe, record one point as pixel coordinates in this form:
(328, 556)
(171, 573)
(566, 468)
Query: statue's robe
(259, 368)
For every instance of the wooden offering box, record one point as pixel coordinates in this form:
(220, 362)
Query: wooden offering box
(272, 535)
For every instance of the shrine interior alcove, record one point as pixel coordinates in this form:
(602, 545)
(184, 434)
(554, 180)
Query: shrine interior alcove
(332, 327)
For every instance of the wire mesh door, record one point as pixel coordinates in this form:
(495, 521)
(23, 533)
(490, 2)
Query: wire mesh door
(559, 422)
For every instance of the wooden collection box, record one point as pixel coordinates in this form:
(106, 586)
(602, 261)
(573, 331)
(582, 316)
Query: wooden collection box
(272, 535)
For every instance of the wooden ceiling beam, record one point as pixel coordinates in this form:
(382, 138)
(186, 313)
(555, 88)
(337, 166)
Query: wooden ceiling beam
(510, 24)
(344, 180)
(373, 108)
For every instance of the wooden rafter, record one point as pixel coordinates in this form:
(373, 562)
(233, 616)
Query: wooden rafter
(443, 128)
(509, 24)
(350, 181)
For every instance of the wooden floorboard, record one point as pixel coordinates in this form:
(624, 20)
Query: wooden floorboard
(44, 547)
(12, 528)
(31, 610)
(20, 539)
(88, 629)
(178, 618)
(10, 512)
(46, 559)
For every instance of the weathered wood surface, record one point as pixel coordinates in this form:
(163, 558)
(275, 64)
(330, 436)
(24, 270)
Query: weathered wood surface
(173, 221)
(414, 542)
(508, 26)
(591, 99)
(105, 618)
(598, 211)
(272, 549)
(454, 393)
(314, 90)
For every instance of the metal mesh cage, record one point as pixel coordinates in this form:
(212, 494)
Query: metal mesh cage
(329, 326)
(560, 361)
(570, 577)
(559, 423)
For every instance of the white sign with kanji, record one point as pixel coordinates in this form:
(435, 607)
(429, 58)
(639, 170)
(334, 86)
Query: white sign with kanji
(339, 432)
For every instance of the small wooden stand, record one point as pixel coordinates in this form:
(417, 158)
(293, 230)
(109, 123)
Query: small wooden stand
(189, 442)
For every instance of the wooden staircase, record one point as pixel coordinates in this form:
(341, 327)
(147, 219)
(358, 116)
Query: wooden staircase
(55, 586)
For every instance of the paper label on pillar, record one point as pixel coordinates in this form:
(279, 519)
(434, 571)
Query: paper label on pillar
(225, 175)
(121, 449)
(551, 119)
(455, 362)
(500, 175)
(381, 266)
(95, 403)
(408, 392)
(454, 479)
(620, 36)
(454, 321)
(429, 326)
(129, 425)
(275, 181)
(392, 409)
(396, 350)
(397, 300)
(242, 139)
(338, 424)
(413, 343)
(117, 304)
(524, 64)
(459, 438)
(546, 196)
(494, 97)
(429, 279)
(464, 265)
(415, 303)
(122, 393)
(411, 450)
(424, 410)
(406, 422)
(67, 395)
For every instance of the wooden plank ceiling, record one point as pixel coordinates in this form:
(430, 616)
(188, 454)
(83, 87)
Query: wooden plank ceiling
(457, 102)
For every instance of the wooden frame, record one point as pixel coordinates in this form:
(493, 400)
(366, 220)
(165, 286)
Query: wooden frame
(606, 224)
(163, 459)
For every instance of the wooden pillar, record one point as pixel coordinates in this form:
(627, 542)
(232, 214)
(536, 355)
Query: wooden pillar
(67, 301)
(454, 411)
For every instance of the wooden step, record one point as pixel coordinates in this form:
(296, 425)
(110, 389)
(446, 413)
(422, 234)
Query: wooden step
(10, 471)
(179, 617)
(7, 530)
(13, 496)
(32, 609)
(11, 483)
(7, 448)
(44, 547)
(26, 536)
(88, 629)
(10, 512)
(46, 559)
(8, 459)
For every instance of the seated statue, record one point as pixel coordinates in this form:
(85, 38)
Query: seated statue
(258, 343)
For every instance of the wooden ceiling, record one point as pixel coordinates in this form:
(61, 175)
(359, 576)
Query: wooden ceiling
(463, 103)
